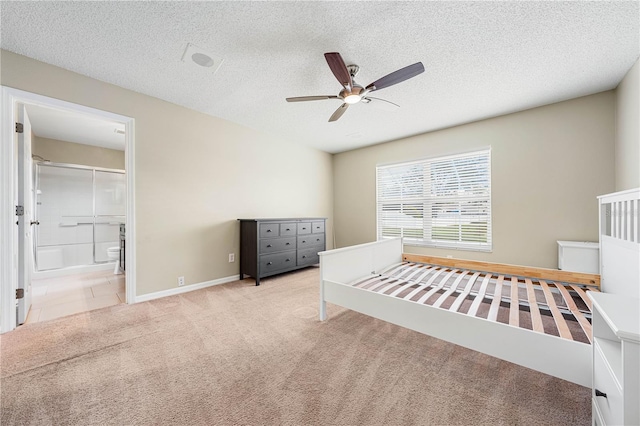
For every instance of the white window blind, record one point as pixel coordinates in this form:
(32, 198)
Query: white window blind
(437, 202)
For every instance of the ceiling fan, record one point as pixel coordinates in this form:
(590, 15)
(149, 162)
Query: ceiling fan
(352, 93)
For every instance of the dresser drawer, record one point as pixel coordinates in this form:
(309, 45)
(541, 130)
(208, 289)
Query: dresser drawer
(273, 245)
(287, 229)
(317, 227)
(304, 228)
(277, 261)
(308, 256)
(268, 230)
(611, 407)
(305, 241)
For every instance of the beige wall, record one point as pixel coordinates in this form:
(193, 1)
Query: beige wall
(627, 149)
(75, 153)
(195, 175)
(548, 166)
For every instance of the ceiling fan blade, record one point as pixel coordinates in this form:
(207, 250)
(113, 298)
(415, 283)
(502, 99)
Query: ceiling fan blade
(397, 76)
(381, 103)
(339, 112)
(339, 69)
(311, 98)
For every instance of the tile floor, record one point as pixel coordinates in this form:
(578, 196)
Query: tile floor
(62, 296)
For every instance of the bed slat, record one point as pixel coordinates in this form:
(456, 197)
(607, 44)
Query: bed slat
(536, 319)
(514, 304)
(429, 270)
(406, 281)
(473, 309)
(451, 290)
(583, 296)
(425, 285)
(464, 293)
(441, 283)
(586, 326)
(393, 278)
(497, 298)
(561, 324)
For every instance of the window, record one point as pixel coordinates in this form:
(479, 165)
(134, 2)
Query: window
(437, 202)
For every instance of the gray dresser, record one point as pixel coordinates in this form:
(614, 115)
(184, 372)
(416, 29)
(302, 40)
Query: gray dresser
(273, 246)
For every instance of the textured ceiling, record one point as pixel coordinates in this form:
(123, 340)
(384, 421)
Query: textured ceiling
(482, 59)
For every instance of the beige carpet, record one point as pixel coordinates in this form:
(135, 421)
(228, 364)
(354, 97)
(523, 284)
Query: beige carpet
(237, 354)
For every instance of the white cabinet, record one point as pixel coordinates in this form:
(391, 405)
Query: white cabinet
(616, 359)
(579, 256)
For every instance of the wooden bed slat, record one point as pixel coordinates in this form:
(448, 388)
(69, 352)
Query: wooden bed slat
(586, 326)
(583, 296)
(451, 290)
(464, 293)
(364, 281)
(425, 285)
(441, 283)
(497, 298)
(406, 280)
(536, 319)
(514, 304)
(473, 309)
(561, 324)
(394, 277)
(411, 267)
(505, 269)
(429, 270)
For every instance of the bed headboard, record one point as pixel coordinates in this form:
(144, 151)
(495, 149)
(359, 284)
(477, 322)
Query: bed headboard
(620, 243)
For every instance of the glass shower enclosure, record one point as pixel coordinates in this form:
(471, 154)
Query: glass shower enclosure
(80, 210)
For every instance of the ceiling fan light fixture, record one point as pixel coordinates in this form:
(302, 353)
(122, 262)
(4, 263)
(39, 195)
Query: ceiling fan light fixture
(352, 99)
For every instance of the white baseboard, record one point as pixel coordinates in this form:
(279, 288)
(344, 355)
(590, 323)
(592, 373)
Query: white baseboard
(185, 289)
(72, 270)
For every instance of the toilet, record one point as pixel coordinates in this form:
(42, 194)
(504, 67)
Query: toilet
(113, 253)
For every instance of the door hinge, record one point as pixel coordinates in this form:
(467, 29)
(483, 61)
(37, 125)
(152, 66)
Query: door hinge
(19, 128)
(19, 293)
(19, 210)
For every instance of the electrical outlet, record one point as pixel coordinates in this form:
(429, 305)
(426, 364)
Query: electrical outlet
(232, 257)
(180, 281)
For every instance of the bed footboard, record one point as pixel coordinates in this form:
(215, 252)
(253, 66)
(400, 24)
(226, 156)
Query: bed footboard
(349, 263)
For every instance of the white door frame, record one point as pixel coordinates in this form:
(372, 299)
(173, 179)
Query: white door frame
(8, 279)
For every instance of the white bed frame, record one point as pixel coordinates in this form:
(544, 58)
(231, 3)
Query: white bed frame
(566, 359)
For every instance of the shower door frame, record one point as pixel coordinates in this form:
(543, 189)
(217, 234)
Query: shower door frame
(11, 99)
(93, 206)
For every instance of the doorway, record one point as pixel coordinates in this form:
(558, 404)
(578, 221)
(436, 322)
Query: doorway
(22, 256)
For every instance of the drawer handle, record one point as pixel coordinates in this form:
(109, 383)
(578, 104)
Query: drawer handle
(269, 263)
(598, 393)
(288, 229)
(303, 241)
(304, 257)
(268, 230)
(268, 245)
(288, 260)
(317, 239)
(304, 229)
(288, 244)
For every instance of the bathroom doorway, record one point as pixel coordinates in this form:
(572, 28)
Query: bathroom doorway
(82, 219)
